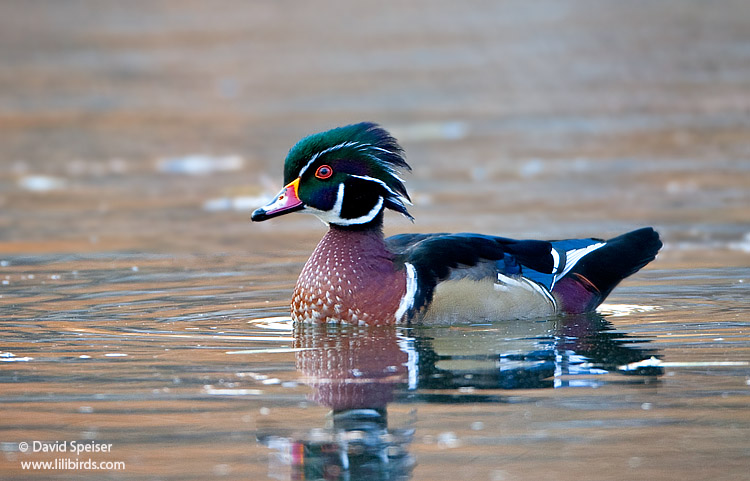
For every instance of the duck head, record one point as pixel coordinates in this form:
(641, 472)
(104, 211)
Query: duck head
(345, 176)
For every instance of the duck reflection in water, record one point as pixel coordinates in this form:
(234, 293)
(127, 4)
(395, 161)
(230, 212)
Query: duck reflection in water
(356, 371)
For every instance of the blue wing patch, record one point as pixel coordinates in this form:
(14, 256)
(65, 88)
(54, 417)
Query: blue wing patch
(568, 253)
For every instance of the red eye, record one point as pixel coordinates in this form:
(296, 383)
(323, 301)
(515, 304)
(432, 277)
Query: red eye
(323, 172)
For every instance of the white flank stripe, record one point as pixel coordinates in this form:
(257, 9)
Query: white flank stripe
(506, 284)
(411, 291)
(509, 281)
(543, 291)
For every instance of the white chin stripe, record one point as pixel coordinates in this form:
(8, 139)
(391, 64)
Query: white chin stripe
(363, 219)
(333, 216)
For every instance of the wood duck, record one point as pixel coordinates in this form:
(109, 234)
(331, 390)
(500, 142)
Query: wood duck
(349, 175)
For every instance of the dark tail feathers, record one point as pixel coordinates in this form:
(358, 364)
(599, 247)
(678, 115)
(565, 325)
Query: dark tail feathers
(597, 273)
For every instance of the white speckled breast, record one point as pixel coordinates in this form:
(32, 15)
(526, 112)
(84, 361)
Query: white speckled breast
(350, 277)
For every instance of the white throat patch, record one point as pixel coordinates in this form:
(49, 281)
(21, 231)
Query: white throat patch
(333, 216)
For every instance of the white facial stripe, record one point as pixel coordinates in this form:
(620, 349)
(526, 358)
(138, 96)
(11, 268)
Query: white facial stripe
(377, 181)
(325, 151)
(379, 148)
(339, 201)
(411, 291)
(365, 218)
(312, 159)
(333, 216)
(399, 197)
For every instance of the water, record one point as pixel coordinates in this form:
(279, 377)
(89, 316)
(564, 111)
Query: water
(194, 373)
(144, 316)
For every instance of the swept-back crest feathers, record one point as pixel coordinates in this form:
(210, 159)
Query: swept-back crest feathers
(370, 152)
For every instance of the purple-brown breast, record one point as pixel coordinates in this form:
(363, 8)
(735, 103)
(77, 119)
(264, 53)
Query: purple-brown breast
(350, 277)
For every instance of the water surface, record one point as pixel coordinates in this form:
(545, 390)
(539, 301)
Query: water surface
(140, 310)
(194, 372)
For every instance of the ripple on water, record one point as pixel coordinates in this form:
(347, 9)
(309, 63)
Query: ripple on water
(212, 358)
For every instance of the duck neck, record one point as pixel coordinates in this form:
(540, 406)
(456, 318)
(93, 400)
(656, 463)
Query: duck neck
(374, 227)
(366, 240)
